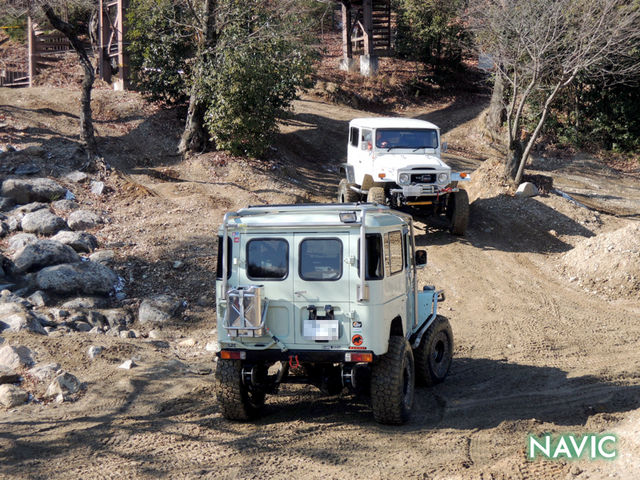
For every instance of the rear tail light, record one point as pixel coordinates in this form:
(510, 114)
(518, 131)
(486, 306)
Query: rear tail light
(358, 357)
(232, 355)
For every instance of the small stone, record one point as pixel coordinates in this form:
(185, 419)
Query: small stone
(39, 298)
(527, 189)
(81, 242)
(575, 470)
(85, 303)
(105, 257)
(43, 222)
(21, 240)
(8, 375)
(156, 334)
(65, 205)
(45, 372)
(12, 396)
(94, 351)
(127, 334)
(211, 347)
(97, 331)
(77, 177)
(63, 384)
(127, 365)
(15, 357)
(553, 232)
(97, 187)
(83, 327)
(117, 317)
(187, 342)
(84, 220)
(158, 309)
(178, 264)
(31, 207)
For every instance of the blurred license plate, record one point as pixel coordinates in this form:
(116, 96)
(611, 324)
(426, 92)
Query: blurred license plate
(320, 329)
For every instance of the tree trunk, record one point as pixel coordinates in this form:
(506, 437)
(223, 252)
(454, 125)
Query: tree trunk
(512, 162)
(194, 137)
(87, 134)
(496, 114)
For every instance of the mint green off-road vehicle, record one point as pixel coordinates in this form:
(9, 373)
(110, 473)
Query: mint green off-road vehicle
(325, 295)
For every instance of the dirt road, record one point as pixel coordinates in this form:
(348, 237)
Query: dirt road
(534, 352)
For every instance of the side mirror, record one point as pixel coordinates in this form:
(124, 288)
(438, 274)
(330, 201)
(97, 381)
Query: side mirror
(445, 147)
(421, 258)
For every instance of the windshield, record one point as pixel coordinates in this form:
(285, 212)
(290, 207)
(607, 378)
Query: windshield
(406, 138)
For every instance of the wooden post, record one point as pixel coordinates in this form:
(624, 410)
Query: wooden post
(33, 69)
(123, 57)
(103, 55)
(347, 51)
(367, 22)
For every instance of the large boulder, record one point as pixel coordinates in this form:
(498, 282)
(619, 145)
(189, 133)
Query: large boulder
(85, 277)
(6, 204)
(21, 321)
(80, 241)
(33, 190)
(65, 205)
(45, 372)
(44, 253)
(15, 357)
(12, 396)
(43, 222)
(8, 375)
(30, 207)
(63, 384)
(84, 220)
(158, 309)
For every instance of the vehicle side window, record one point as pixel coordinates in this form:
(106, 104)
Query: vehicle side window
(219, 259)
(267, 259)
(353, 136)
(374, 268)
(366, 139)
(406, 249)
(393, 252)
(320, 259)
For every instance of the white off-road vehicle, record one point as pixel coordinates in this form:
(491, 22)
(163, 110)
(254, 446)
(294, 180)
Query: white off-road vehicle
(325, 295)
(396, 162)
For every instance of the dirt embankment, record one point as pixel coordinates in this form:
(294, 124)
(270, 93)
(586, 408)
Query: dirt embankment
(534, 352)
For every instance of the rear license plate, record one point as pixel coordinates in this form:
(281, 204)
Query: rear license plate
(321, 329)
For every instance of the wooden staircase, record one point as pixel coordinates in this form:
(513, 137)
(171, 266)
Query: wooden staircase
(381, 37)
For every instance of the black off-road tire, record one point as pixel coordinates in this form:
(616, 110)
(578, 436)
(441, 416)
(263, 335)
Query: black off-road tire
(345, 194)
(376, 195)
(434, 354)
(458, 212)
(236, 401)
(393, 383)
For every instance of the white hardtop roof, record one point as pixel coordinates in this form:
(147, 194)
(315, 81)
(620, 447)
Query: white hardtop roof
(391, 122)
(307, 214)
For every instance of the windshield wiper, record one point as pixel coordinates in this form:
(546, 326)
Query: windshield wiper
(396, 146)
(423, 146)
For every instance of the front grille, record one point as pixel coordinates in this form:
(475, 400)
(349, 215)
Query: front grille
(423, 178)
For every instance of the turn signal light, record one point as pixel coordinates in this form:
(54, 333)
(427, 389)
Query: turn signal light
(232, 355)
(382, 175)
(358, 357)
(463, 174)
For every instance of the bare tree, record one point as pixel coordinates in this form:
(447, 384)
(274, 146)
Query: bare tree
(48, 9)
(541, 46)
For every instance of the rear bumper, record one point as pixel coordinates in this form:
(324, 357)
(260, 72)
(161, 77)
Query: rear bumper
(296, 356)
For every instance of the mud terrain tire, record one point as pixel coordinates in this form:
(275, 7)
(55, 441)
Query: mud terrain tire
(236, 401)
(458, 212)
(393, 383)
(376, 195)
(345, 194)
(434, 354)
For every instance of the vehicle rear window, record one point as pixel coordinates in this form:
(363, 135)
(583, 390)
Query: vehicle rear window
(219, 259)
(267, 259)
(321, 259)
(394, 253)
(373, 260)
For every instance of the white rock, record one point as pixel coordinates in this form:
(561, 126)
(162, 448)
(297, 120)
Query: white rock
(63, 384)
(127, 365)
(187, 342)
(45, 372)
(527, 189)
(77, 177)
(12, 396)
(211, 347)
(94, 351)
(15, 357)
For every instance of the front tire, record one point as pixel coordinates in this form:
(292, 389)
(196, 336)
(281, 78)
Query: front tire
(236, 400)
(434, 355)
(458, 212)
(376, 195)
(393, 383)
(345, 194)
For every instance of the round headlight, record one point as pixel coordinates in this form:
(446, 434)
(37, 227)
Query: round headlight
(404, 179)
(443, 177)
